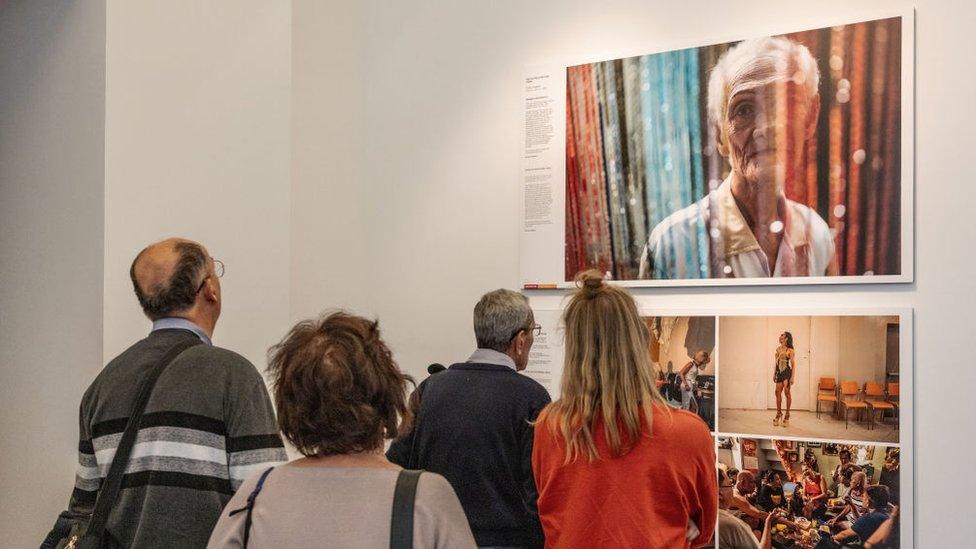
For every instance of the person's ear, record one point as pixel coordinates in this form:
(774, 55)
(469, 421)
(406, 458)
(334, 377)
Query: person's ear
(721, 144)
(210, 289)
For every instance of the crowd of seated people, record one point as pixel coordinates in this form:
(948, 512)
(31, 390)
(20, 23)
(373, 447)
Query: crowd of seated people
(850, 513)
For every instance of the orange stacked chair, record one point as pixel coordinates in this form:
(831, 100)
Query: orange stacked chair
(893, 397)
(827, 392)
(874, 396)
(848, 399)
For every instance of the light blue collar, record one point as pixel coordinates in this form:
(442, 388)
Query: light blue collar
(181, 324)
(490, 356)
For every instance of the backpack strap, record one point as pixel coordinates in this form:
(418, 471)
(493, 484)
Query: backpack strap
(401, 523)
(112, 485)
(249, 507)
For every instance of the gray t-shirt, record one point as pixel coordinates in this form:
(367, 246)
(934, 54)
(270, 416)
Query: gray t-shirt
(340, 507)
(733, 533)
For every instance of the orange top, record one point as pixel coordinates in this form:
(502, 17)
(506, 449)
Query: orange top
(643, 498)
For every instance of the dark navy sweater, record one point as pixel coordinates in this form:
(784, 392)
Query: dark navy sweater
(473, 428)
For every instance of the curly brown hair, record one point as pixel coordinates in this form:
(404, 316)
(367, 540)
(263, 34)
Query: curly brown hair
(336, 386)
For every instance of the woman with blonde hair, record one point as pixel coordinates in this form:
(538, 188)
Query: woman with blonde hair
(615, 466)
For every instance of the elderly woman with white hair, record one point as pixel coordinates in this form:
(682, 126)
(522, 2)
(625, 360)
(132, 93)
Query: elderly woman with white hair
(763, 104)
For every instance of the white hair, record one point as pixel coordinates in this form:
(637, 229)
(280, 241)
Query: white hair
(758, 61)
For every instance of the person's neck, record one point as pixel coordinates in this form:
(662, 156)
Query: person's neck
(206, 322)
(760, 204)
(374, 459)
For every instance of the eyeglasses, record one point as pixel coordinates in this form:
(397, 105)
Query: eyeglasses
(721, 486)
(534, 329)
(218, 272)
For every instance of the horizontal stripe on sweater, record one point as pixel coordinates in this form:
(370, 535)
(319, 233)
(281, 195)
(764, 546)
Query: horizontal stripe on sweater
(162, 419)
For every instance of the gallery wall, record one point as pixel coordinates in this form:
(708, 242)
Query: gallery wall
(197, 144)
(440, 171)
(52, 104)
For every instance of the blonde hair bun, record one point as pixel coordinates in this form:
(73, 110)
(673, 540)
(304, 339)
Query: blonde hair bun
(590, 281)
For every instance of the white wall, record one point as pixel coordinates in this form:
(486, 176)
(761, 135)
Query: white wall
(745, 363)
(328, 154)
(440, 179)
(862, 348)
(197, 144)
(824, 337)
(52, 102)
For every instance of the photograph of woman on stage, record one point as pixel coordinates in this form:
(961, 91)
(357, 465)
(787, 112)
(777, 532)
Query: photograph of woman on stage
(783, 372)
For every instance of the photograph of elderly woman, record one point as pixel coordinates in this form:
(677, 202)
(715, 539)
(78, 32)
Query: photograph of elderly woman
(825, 376)
(682, 348)
(771, 157)
(822, 501)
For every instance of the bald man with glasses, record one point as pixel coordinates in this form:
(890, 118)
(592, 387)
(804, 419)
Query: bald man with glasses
(207, 425)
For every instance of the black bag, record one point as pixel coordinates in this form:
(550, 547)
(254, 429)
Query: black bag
(401, 521)
(87, 531)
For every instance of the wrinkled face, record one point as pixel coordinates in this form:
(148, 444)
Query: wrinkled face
(765, 128)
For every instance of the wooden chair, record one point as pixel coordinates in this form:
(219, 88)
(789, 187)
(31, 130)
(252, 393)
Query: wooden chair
(874, 397)
(848, 399)
(893, 393)
(827, 392)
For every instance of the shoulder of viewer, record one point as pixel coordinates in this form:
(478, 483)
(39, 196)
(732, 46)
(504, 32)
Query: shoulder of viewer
(231, 362)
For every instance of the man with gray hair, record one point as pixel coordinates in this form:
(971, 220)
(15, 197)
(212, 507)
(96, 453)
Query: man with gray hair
(474, 426)
(763, 104)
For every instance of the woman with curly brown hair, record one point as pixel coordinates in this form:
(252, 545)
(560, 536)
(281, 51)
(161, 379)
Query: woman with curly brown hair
(615, 466)
(339, 395)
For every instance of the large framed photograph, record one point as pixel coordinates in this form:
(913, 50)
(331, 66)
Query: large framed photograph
(782, 159)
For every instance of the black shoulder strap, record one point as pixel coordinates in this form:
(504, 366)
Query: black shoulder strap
(249, 507)
(401, 524)
(109, 491)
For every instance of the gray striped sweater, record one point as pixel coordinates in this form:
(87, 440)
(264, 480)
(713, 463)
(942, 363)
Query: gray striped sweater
(208, 425)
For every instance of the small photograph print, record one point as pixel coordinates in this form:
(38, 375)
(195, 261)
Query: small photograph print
(682, 352)
(819, 377)
(824, 501)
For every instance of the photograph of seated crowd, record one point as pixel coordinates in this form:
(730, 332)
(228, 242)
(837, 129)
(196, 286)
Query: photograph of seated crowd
(807, 494)
(682, 350)
(824, 377)
(771, 157)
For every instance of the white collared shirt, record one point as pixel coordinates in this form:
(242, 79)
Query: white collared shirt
(711, 239)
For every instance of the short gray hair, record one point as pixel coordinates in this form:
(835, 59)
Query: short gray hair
(498, 317)
(759, 60)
